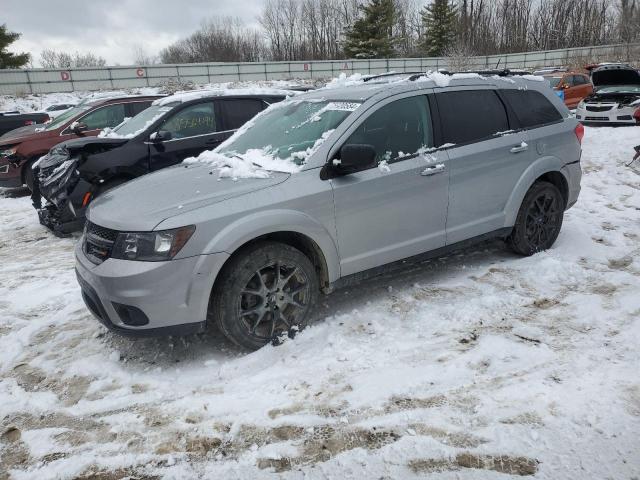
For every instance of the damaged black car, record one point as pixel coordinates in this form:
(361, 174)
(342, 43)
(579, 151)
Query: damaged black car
(74, 173)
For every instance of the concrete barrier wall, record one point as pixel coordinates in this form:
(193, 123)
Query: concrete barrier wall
(18, 82)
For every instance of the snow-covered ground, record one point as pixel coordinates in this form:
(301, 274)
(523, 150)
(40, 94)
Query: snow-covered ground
(479, 365)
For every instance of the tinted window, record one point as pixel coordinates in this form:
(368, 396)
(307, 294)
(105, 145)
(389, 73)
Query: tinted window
(471, 115)
(237, 112)
(137, 107)
(109, 116)
(398, 129)
(579, 80)
(198, 119)
(568, 80)
(531, 108)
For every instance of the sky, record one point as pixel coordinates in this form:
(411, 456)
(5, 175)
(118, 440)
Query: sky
(112, 29)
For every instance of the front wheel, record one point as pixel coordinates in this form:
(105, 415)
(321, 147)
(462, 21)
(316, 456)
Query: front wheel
(265, 290)
(539, 219)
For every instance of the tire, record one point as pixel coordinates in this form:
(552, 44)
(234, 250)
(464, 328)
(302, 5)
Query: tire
(248, 304)
(539, 219)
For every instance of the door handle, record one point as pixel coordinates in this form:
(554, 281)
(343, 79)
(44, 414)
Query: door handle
(432, 170)
(523, 147)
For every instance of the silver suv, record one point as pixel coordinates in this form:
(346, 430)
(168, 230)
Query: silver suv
(326, 188)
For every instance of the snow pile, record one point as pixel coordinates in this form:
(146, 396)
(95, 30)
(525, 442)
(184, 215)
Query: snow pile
(343, 81)
(252, 164)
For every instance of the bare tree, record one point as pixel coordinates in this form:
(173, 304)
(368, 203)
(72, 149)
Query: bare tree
(52, 59)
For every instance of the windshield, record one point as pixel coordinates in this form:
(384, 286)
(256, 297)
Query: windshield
(554, 81)
(66, 116)
(620, 89)
(289, 130)
(138, 124)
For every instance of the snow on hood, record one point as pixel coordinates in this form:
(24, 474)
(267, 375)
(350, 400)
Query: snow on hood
(143, 203)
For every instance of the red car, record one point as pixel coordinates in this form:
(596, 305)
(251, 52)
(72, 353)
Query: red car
(20, 149)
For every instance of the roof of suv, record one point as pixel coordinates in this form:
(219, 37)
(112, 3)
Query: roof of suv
(365, 90)
(188, 96)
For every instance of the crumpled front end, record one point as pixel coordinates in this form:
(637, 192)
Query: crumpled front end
(55, 177)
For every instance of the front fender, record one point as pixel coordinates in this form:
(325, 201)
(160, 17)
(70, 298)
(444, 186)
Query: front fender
(247, 228)
(529, 176)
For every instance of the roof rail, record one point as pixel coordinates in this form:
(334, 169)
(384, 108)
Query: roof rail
(390, 74)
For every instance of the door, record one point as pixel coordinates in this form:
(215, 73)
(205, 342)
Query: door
(583, 87)
(485, 161)
(192, 129)
(398, 208)
(572, 93)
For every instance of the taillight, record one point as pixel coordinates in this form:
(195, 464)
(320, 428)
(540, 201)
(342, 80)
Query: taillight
(579, 131)
(29, 122)
(636, 114)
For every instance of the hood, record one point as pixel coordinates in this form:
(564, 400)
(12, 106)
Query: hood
(93, 144)
(25, 134)
(614, 75)
(20, 132)
(143, 203)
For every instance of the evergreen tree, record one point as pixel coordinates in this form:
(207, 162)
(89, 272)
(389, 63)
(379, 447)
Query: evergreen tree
(439, 20)
(372, 34)
(8, 59)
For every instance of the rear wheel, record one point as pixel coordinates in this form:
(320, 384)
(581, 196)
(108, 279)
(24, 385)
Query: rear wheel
(266, 290)
(539, 219)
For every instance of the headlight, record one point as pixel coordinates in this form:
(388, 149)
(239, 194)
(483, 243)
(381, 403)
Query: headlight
(151, 246)
(8, 152)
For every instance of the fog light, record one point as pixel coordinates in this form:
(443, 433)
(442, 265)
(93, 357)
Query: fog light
(130, 315)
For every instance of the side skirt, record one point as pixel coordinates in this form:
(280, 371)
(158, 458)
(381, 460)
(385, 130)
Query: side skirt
(399, 265)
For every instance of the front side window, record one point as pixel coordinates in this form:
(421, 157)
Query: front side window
(471, 115)
(60, 120)
(198, 119)
(109, 116)
(532, 108)
(139, 124)
(396, 130)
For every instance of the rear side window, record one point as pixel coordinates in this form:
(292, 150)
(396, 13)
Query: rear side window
(238, 112)
(471, 115)
(137, 107)
(532, 108)
(579, 80)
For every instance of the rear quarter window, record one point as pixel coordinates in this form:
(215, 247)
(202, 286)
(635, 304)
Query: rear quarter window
(471, 115)
(532, 108)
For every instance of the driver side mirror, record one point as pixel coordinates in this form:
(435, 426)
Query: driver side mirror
(355, 157)
(78, 128)
(160, 136)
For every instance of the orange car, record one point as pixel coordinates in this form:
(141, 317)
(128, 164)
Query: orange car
(571, 87)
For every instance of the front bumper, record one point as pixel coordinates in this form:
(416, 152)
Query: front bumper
(172, 296)
(608, 112)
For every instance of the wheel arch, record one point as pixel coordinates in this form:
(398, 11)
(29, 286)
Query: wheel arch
(545, 169)
(289, 227)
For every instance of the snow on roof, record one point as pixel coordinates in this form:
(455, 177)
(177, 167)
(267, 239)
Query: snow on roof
(187, 96)
(103, 96)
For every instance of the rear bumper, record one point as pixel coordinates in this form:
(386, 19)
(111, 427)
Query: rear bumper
(165, 297)
(573, 174)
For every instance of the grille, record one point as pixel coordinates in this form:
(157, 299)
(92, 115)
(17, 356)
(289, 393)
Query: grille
(98, 242)
(594, 108)
(597, 119)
